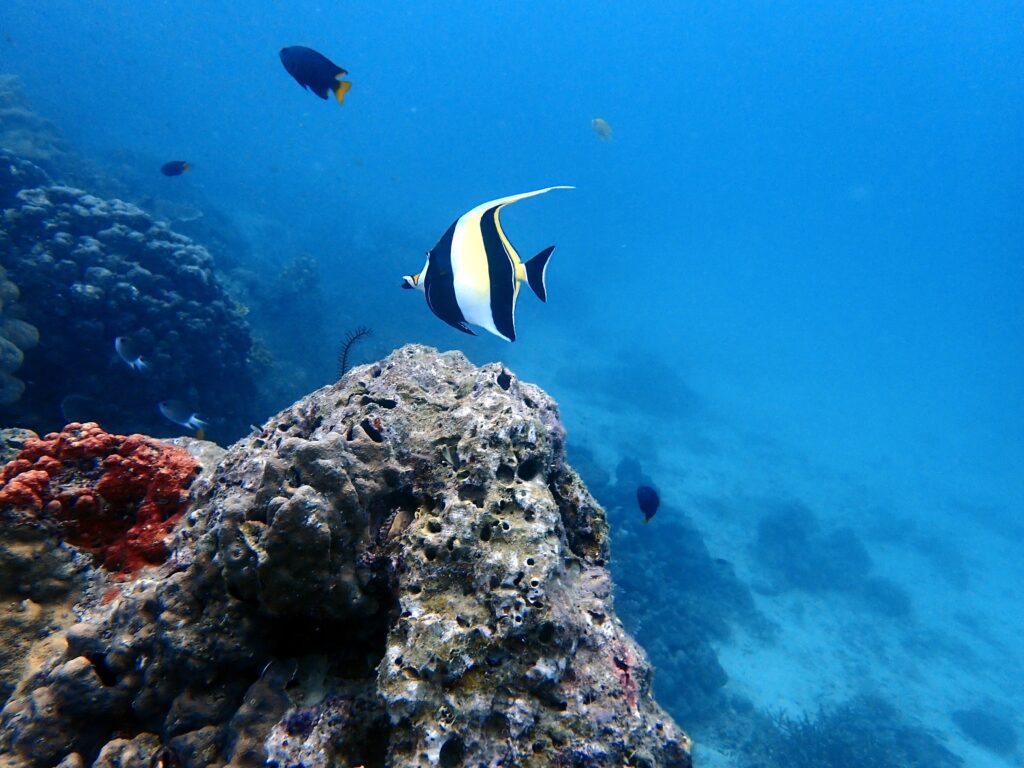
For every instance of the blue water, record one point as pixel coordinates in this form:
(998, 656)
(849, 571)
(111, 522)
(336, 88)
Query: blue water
(795, 272)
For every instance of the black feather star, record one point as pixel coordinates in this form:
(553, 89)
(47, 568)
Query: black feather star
(346, 347)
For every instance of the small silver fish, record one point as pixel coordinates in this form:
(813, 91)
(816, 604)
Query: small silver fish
(180, 413)
(127, 352)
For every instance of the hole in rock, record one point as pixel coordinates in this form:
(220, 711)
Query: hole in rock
(529, 469)
(372, 430)
(383, 402)
(547, 632)
(106, 675)
(473, 493)
(506, 473)
(452, 753)
(504, 380)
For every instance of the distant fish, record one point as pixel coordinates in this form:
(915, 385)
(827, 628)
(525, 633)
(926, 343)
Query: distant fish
(648, 500)
(473, 273)
(78, 408)
(602, 129)
(315, 71)
(127, 352)
(175, 168)
(182, 414)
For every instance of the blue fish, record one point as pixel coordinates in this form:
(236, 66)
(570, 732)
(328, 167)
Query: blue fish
(648, 500)
(175, 168)
(126, 351)
(315, 71)
(181, 413)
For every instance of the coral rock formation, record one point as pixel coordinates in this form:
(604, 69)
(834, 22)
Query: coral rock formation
(114, 496)
(90, 270)
(398, 570)
(16, 336)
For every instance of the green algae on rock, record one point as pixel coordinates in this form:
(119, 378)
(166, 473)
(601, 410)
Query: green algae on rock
(398, 570)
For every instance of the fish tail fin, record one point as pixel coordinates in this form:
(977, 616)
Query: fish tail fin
(536, 269)
(201, 433)
(140, 365)
(196, 423)
(186, 166)
(341, 89)
(646, 520)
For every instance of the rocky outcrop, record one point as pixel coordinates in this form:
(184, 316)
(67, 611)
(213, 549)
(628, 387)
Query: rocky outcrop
(89, 270)
(398, 570)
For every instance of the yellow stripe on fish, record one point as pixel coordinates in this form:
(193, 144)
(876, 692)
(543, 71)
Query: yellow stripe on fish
(472, 275)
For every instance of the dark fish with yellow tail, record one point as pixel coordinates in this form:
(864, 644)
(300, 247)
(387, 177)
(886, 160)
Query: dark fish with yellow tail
(472, 275)
(175, 168)
(315, 71)
(648, 500)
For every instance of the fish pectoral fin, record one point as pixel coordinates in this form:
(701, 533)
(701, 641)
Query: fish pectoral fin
(342, 88)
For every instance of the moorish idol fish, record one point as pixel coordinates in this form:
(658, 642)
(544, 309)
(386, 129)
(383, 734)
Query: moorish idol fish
(472, 275)
(315, 71)
(175, 168)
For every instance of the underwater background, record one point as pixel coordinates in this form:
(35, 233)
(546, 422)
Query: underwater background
(787, 291)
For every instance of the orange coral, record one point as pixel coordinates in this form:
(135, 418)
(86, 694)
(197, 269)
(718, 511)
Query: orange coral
(115, 496)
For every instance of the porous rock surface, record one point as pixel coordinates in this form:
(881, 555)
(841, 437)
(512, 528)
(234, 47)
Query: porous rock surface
(398, 570)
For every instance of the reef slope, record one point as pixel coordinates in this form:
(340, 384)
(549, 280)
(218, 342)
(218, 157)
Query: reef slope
(399, 570)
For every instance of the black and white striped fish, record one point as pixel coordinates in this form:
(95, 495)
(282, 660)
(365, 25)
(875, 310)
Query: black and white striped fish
(472, 275)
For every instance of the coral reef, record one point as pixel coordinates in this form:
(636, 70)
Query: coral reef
(16, 174)
(114, 496)
(39, 578)
(796, 553)
(665, 577)
(863, 733)
(90, 270)
(16, 337)
(398, 570)
(12, 440)
(291, 319)
(25, 133)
